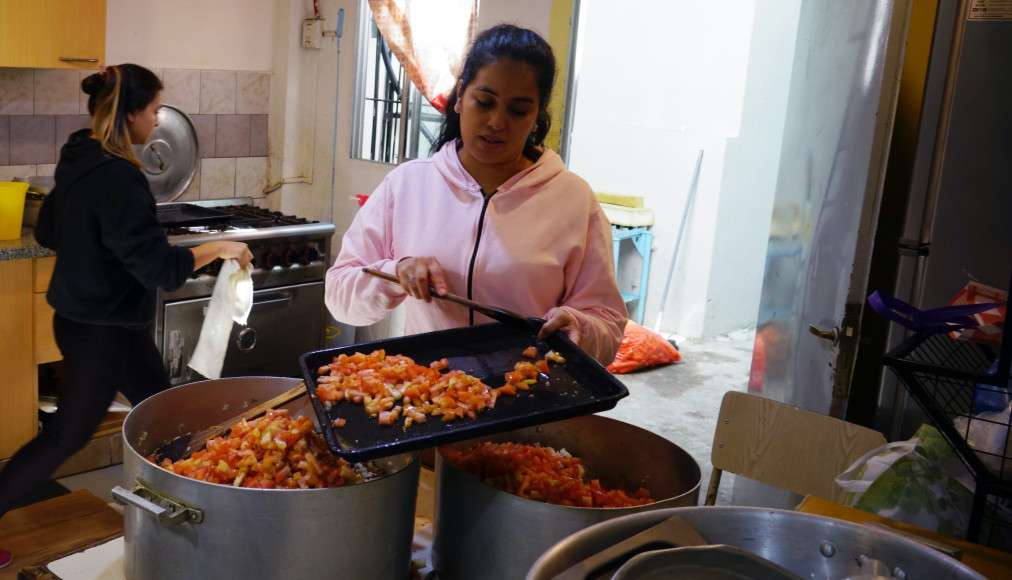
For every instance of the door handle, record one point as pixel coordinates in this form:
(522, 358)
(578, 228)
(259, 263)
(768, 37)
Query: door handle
(271, 303)
(830, 335)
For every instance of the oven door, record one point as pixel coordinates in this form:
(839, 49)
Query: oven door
(284, 323)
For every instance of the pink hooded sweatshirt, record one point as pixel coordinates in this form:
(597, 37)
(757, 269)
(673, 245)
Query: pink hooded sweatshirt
(540, 241)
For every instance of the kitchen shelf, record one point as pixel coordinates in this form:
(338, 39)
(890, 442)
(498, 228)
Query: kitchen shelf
(945, 375)
(642, 239)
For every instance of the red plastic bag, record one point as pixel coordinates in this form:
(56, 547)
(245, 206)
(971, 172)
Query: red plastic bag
(642, 348)
(990, 322)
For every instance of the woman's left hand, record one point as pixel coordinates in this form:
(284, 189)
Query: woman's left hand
(561, 319)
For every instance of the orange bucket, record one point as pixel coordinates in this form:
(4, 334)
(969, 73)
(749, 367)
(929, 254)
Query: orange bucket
(12, 209)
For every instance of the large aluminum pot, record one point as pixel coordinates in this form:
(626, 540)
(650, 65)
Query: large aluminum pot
(178, 527)
(481, 532)
(808, 545)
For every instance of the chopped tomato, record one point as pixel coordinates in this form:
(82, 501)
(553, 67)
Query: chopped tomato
(388, 385)
(274, 451)
(531, 352)
(555, 357)
(541, 474)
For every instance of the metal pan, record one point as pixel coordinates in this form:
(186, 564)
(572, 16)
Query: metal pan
(580, 386)
(188, 214)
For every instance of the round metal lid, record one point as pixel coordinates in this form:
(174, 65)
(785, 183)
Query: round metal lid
(171, 155)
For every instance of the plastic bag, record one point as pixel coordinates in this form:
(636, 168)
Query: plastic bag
(991, 397)
(921, 482)
(987, 434)
(989, 322)
(642, 348)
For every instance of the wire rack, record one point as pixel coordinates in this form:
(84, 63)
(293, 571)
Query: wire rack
(947, 377)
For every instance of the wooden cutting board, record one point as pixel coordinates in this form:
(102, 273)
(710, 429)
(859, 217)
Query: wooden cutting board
(55, 528)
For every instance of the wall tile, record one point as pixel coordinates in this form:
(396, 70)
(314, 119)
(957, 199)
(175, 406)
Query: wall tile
(217, 92)
(82, 98)
(217, 178)
(57, 92)
(5, 139)
(33, 139)
(205, 127)
(67, 124)
(17, 86)
(9, 172)
(192, 193)
(45, 169)
(250, 176)
(258, 136)
(231, 136)
(254, 92)
(182, 90)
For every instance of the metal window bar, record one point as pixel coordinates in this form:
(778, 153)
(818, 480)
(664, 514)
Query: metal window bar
(379, 134)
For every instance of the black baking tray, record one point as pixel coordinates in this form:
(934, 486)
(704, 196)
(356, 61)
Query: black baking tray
(579, 386)
(188, 214)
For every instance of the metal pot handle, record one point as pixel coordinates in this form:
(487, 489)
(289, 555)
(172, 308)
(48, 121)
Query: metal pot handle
(167, 511)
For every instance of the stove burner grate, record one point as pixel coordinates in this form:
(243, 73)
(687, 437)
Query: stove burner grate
(242, 217)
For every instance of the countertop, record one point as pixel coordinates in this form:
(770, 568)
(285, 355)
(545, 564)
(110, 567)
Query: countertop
(24, 248)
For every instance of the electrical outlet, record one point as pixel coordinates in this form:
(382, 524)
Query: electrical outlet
(312, 33)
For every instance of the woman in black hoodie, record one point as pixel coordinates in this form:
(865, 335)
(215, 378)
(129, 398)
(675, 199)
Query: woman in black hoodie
(111, 256)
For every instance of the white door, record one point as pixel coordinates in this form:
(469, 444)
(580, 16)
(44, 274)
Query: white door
(840, 113)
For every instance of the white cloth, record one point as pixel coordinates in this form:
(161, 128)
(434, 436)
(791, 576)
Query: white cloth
(231, 302)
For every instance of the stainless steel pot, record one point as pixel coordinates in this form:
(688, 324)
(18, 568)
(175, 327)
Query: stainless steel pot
(808, 545)
(176, 527)
(481, 532)
(38, 187)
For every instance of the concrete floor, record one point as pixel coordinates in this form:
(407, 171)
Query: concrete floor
(680, 401)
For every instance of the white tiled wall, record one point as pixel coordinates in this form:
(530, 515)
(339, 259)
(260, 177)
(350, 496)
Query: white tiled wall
(40, 108)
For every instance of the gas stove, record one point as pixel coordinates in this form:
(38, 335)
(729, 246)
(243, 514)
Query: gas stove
(290, 259)
(286, 249)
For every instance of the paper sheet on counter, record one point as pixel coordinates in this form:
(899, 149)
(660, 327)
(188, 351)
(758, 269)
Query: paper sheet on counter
(231, 301)
(102, 562)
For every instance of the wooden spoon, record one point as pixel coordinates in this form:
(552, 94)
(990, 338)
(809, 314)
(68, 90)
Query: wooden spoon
(185, 445)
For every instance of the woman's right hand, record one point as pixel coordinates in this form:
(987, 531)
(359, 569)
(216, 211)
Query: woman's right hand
(418, 274)
(204, 254)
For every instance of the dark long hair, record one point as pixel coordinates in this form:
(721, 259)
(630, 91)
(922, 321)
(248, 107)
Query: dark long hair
(113, 94)
(505, 41)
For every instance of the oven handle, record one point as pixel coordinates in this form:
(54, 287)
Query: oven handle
(270, 302)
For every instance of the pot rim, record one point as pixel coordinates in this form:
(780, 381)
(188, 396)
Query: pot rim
(406, 459)
(659, 503)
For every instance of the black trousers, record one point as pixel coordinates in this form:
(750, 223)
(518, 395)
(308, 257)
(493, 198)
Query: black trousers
(98, 361)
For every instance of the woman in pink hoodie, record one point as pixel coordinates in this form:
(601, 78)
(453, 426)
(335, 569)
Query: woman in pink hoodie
(493, 215)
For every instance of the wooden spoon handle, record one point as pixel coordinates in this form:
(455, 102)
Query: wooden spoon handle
(266, 406)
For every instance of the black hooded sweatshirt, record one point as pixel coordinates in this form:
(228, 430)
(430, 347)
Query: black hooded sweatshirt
(111, 252)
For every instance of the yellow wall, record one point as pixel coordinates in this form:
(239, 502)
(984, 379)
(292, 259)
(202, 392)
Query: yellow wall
(558, 36)
(915, 68)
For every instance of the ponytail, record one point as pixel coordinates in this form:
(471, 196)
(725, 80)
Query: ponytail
(112, 95)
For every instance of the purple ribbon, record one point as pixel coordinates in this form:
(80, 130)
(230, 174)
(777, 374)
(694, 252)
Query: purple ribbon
(944, 319)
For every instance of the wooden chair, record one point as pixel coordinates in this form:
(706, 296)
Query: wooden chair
(785, 446)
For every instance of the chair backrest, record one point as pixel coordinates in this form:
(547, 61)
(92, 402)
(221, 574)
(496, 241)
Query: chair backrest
(786, 446)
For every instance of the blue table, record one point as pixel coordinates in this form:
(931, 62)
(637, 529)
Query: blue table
(643, 240)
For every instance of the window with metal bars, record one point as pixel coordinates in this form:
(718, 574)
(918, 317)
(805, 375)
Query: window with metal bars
(380, 85)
